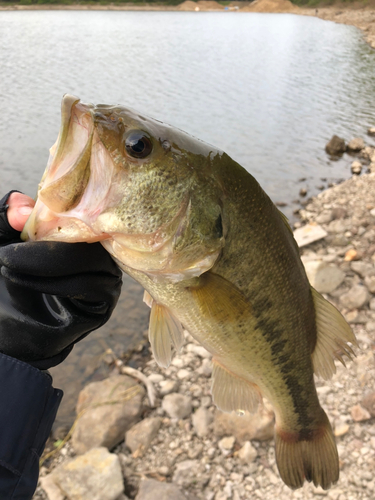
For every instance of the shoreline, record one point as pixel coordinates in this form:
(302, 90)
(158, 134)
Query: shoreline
(362, 18)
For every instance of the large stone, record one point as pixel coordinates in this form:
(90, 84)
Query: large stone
(355, 298)
(110, 408)
(356, 144)
(202, 419)
(96, 475)
(140, 436)
(149, 489)
(336, 146)
(259, 426)
(308, 234)
(177, 405)
(325, 278)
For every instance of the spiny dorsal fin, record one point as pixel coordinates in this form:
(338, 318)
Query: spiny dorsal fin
(333, 335)
(233, 393)
(164, 330)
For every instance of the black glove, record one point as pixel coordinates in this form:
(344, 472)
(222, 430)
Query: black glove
(51, 295)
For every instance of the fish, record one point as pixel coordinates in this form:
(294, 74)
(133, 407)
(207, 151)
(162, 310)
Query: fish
(215, 257)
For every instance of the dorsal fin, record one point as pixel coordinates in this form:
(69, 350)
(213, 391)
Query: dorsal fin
(333, 335)
(164, 330)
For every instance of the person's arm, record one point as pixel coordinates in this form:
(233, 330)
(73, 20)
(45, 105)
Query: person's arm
(51, 296)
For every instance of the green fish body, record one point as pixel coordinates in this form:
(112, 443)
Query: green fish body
(215, 255)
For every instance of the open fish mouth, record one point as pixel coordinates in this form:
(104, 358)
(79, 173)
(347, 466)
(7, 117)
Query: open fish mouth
(66, 180)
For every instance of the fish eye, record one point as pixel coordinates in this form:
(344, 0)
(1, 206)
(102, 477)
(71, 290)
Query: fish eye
(138, 144)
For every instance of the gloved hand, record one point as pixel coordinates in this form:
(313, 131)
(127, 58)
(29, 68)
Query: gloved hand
(51, 294)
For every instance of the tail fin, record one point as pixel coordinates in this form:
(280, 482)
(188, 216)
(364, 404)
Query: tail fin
(310, 455)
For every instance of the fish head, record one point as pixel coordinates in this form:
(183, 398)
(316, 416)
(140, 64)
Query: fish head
(146, 190)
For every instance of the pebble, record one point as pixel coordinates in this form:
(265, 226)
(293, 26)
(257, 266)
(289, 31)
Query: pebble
(177, 405)
(359, 413)
(355, 298)
(356, 144)
(226, 445)
(202, 419)
(247, 453)
(167, 386)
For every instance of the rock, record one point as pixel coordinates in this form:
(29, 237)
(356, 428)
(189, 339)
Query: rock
(168, 386)
(202, 419)
(324, 217)
(338, 213)
(258, 426)
(351, 255)
(341, 428)
(226, 445)
(356, 167)
(185, 472)
(149, 489)
(247, 453)
(51, 489)
(362, 268)
(355, 298)
(199, 350)
(308, 234)
(140, 436)
(303, 192)
(368, 402)
(359, 414)
(96, 475)
(356, 144)
(205, 368)
(370, 283)
(371, 131)
(113, 406)
(325, 278)
(337, 226)
(177, 405)
(336, 146)
(367, 153)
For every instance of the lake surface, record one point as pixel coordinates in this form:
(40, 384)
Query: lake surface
(269, 89)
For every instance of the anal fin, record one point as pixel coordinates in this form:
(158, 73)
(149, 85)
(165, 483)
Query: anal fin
(164, 330)
(233, 393)
(334, 333)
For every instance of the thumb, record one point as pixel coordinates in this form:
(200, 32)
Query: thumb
(20, 207)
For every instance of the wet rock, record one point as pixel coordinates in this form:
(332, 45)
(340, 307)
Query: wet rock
(303, 192)
(247, 453)
(336, 146)
(202, 419)
(371, 131)
(186, 472)
(258, 426)
(368, 402)
(177, 405)
(96, 475)
(308, 234)
(325, 278)
(356, 167)
(359, 414)
(140, 436)
(149, 489)
(356, 144)
(112, 407)
(355, 298)
(168, 386)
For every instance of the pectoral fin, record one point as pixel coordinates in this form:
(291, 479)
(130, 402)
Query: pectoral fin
(233, 393)
(334, 333)
(147, 299)
(164, 330)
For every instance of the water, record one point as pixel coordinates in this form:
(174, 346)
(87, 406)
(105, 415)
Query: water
(269, 89)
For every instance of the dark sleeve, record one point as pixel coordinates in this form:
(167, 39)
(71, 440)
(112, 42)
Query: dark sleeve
(28, 406)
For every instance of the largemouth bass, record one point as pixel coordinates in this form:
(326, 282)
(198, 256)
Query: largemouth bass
(213, 254)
